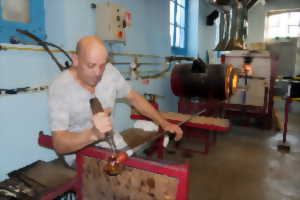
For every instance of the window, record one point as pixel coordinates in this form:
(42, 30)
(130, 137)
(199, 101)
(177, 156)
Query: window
(178, 26)
(283, 24)
(21, 14)
(15, 10)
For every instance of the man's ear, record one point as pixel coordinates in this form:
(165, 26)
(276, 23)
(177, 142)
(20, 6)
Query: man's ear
(75, 59)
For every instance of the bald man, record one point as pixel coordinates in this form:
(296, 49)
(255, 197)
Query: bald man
(72, 123)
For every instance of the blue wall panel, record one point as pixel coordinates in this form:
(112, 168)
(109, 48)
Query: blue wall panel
(36, 24)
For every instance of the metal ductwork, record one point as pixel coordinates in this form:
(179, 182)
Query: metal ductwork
(233, 23)
(225, 16)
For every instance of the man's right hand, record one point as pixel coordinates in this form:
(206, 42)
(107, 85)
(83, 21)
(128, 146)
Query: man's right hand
(102, 124)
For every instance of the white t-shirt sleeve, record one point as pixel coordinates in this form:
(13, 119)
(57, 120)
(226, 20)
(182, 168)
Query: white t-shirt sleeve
(58, 109)
(112, 86)
(122, 86)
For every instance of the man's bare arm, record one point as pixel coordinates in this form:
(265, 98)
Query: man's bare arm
(67, 142)
(146, 109)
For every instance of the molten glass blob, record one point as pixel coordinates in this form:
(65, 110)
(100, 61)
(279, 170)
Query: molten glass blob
(113, 166)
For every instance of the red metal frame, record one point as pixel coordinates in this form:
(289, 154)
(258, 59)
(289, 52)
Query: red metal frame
(190, 128)
(180, 172)
(206, 134)
(208, 139)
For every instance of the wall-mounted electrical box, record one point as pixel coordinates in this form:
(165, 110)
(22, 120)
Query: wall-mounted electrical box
(21, 14)
(111, 21)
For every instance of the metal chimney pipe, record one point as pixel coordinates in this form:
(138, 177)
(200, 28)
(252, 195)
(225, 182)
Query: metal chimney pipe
(224, 31)
(233, 23)
(225, 12)
(239, 25)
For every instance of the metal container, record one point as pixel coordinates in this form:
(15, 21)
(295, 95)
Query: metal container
(215, 81)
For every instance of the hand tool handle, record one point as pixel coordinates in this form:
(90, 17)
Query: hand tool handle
(96, 106)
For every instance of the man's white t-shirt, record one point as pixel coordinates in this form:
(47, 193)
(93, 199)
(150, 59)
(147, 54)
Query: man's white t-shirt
(69, 107)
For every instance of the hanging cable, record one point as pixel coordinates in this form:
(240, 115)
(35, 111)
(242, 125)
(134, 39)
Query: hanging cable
(45, 46)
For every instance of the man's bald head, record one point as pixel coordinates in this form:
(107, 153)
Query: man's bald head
(90, 59)
(88, 42)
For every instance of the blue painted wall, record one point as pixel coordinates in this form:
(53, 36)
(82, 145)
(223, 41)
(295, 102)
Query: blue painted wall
(23, 115)
(206, 34)
(193, 21)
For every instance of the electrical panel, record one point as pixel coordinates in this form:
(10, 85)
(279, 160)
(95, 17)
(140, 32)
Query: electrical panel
(111, 21)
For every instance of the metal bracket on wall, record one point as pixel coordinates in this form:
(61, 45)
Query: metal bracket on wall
(24, 90)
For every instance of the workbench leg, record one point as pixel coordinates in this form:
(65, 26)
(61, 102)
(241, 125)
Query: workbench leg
(284, 146)
(286, 118)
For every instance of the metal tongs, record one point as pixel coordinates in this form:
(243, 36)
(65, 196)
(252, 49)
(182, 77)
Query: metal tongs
(109, 137)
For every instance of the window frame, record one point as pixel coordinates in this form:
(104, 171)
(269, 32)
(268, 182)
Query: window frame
(36, 24)
(277, 12)
(179, 50)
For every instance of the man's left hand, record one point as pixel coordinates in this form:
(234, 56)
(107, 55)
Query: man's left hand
(173, 128)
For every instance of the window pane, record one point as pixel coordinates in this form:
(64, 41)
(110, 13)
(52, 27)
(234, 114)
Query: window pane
(181, 38)
(172, 34)
(294, 31)
(181, 2)
(274, 20)
(180, 16)
(177, 41)
(294, 18)
(172, 7)
(284, 25)
(182, 22)
(282, 32)
(15, 10)
(284, 20)
(273, 32)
